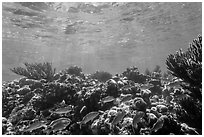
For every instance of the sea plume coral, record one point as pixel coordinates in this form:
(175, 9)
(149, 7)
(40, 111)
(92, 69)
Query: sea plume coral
(36, 71)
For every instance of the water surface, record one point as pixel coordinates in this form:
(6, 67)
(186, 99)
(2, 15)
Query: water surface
(96, 36)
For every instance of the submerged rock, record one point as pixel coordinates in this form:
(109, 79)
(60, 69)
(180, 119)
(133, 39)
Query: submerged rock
(140, 105)
(162, 108)
(24, 90)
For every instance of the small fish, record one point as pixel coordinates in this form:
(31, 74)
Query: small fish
(63, 110)
(83, 109)
(36, 125)
(59, 124)
(108, 99)
(146, 86)
(185, 127)
(174, 84)
(88, 117)
(126, 98)
(137, 118)
(118, 117)
(126, 87)
(159, 124)
(182, 96)
(58, 121)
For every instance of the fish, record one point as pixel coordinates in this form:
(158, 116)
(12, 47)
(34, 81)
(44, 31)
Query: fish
(126, 87)
(58, 121)
(159, 124)
(182, 96)
(137, 118)
(107, 99)
(118, 117)
(59, 124)
(83, 109)
(146, 86)
(63, 110)
(127, 97)
(36, 125)
(185, 127)
(174, 84)
(90, 116)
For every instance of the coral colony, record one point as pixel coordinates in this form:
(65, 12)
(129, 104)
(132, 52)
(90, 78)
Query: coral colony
(70, 102)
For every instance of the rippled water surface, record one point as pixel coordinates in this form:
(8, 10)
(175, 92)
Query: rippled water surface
(96, 36)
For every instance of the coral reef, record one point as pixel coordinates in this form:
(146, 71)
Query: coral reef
(73, 103)
(43, 107)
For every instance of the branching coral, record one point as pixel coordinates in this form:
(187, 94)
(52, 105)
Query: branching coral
(188, 66)
(101, 76)
(133, 74)
(74, 70)
(36, 71)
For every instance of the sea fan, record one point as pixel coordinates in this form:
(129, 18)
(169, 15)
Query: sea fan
(36, 71)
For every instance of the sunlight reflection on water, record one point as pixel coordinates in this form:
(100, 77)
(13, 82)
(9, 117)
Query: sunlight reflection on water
(103, 36)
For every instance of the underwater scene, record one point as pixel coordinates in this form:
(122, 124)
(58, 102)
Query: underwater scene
(101, 68)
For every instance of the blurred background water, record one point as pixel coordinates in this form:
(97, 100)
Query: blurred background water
(96, 36)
